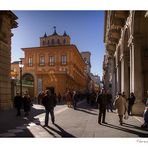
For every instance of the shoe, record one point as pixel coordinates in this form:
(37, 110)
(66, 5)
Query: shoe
(99, 123)
(121, 124)
(104, 122)
(45, 125)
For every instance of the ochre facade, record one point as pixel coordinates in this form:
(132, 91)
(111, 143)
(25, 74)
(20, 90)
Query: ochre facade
(55, 65)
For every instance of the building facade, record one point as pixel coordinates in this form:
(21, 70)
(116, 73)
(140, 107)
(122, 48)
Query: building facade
(125, 61)
(56, 64)
(7, 22)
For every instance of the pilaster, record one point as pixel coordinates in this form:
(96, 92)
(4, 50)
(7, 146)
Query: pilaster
(136, 75)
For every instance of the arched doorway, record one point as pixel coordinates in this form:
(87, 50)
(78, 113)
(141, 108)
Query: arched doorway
(28, 84)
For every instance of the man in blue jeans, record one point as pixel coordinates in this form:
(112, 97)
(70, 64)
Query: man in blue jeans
(49, 101)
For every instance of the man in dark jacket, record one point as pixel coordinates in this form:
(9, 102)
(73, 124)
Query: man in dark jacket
(102, 103)
(18, 103)
(131, 101)
(49, 101)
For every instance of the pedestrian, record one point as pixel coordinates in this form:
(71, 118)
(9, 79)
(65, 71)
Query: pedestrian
(18, 103)
(27, 103)
(69, 99)
(145, 115)
(110, 101)
(145, 124)
(121, 106)
(146, 99)
(102, 105)
(75, 99)
(87, 97)
(49, 101)
(131, 101)
(40, 97)
(59, 97)
(92, 98)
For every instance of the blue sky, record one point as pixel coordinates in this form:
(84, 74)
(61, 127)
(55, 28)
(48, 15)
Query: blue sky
(86, 29)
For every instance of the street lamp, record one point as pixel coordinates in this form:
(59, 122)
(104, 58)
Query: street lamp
(21, 67)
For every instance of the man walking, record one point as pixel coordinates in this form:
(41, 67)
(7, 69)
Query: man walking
(18, 103)
(102, 103)
(49, 101)
(131, 101)
(121, 106)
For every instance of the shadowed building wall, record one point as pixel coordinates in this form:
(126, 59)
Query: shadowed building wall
(7, 22)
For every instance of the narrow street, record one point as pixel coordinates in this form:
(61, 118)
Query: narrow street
(69, 123)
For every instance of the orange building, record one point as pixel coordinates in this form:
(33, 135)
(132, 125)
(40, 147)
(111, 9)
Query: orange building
(56, 65)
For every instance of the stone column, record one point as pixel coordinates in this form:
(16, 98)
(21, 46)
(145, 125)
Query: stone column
(7, 22)
(136, 76)
(118, 68)
(125, 75)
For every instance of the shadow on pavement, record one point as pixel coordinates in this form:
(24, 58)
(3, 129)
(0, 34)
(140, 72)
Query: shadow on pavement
(140, 134)
(10, 124)
(134, 126)
(86, 111)
(60, 132)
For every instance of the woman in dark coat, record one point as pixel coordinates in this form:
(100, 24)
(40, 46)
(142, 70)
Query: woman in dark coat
(18, 103)
(27, 104)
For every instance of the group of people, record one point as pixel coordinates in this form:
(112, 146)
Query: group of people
(103, 99)
(22, 102)
(121, 103)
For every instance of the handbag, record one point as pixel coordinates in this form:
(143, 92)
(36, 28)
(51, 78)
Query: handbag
(126, 115)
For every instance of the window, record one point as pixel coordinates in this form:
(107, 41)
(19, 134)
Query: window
(42, 60)
(64, 41)
(51, 60)
(63, 59)
(58, 41)
(53, 42)
(30, 62)
(48, 42)
(43, 43)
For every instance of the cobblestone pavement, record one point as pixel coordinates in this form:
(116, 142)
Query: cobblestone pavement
(69, 123)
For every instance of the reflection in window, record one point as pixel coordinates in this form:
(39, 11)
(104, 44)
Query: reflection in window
(63, 59)
(51, 60)
(42, 60)
(30, 62)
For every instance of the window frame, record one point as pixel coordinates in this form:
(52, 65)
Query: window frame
(51, 60)
(41, 60)
(30, 61)
(63, 59)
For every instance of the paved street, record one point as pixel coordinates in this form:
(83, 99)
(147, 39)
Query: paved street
(69, 123)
